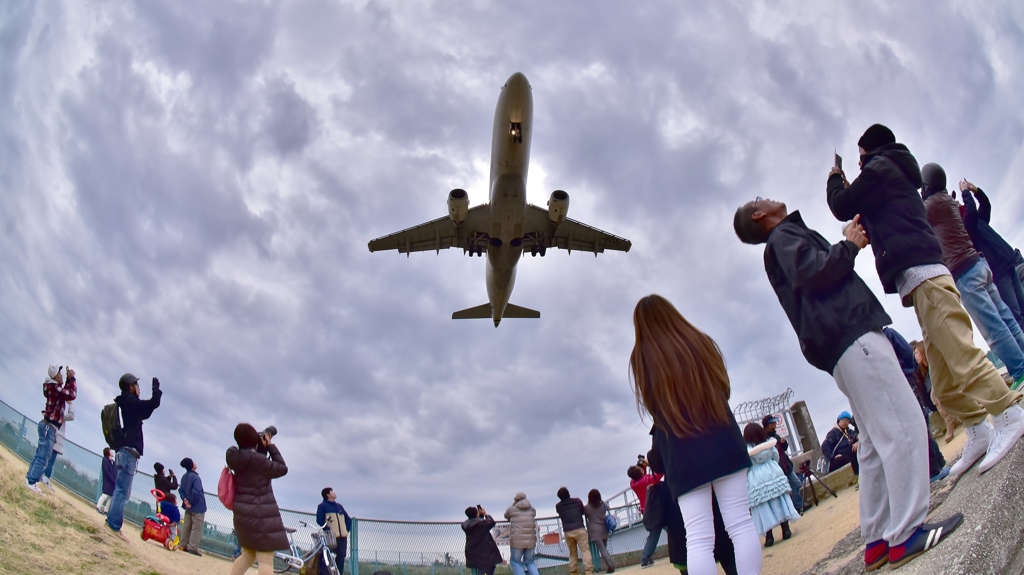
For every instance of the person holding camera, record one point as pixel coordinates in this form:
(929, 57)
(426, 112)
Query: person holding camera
(164, 483)
(133, 412)
(256, 462)
(57, 393)
(640, 480)
(482, 554)
(193, 499)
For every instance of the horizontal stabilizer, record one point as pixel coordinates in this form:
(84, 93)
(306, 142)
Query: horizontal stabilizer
(478, 312)
(515, 311)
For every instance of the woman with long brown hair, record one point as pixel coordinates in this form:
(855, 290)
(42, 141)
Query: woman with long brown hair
(679, 378)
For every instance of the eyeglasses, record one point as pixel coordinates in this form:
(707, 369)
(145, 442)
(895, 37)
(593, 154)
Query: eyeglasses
(758, 199)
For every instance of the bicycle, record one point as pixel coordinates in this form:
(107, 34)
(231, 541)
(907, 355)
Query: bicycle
(284, 563)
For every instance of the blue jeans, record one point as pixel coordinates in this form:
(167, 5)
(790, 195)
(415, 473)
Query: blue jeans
(1012, 293)
(49, 465)
(47, 437)
(995, 322)
(651, 545)
(126, 464)
(522, 560)
(797, 486)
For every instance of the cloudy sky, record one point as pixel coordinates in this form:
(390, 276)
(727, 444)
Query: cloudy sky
(187, 190)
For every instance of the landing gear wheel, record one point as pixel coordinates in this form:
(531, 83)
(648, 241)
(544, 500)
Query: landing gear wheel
(543, 251)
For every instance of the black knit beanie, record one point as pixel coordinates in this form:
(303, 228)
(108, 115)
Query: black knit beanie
(875, 137)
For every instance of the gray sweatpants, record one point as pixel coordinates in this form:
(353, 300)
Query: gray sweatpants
(893, 447)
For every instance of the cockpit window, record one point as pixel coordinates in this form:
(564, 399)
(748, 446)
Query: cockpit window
(515, 132)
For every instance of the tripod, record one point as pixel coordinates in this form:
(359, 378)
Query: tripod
(806, 474)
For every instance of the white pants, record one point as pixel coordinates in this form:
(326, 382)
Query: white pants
(893, 452)
(104, 502)
(695, 506)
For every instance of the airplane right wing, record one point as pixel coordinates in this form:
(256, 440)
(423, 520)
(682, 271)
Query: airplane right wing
(439, 234)
(569, 235)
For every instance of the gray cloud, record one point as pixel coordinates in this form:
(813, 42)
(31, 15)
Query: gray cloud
(188, 190)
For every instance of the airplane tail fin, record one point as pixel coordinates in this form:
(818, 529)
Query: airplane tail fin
(478, 312)
(514, 311)
(484, 311)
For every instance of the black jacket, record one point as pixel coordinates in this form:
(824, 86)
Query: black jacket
(837, 443)
(999, 254)
(827, 303)
(133, 412)
(693, 461)
(784, 461)
(570, 511)
(165, 483)
(481, 550)
(891, 211)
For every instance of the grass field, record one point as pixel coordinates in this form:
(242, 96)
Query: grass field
(47, 535)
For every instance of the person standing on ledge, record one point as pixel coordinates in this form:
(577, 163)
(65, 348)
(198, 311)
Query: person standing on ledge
(838, 322)
(909, 261)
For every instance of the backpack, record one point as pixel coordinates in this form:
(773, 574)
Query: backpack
(226, 489)
(110, 419)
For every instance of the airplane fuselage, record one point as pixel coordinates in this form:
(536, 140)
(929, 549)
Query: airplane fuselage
(510, 163)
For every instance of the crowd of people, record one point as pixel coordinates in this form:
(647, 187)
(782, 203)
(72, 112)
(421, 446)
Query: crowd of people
(713, 488)
(254, 462)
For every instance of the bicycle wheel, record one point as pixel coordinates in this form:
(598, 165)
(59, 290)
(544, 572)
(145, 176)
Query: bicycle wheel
(328, 557)
(281, 565)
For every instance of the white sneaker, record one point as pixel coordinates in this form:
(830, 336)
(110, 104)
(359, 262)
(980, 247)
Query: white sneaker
(1007, 427)
(46, 481)
(34, 487)
(978, 439)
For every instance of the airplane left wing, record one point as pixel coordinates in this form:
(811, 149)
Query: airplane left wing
(569, 235)
(439, 234)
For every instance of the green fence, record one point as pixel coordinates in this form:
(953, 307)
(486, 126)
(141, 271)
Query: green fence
(401, 547)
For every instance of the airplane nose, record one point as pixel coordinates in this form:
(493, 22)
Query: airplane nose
(517, 81)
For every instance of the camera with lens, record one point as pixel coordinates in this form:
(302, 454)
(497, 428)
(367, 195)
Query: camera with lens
(641, 460)
(268, 433)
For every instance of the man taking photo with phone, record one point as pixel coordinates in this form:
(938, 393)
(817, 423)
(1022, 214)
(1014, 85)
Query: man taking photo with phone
(133, 412)
(57, 394)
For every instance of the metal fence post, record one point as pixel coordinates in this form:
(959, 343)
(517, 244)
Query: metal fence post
(354, 551)
(596, 557)
(21, 434)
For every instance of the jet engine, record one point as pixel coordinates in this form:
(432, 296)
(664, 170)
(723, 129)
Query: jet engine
(558, 206)
(458, 205)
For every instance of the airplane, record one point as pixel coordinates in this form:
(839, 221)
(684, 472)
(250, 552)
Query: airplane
(506, 226)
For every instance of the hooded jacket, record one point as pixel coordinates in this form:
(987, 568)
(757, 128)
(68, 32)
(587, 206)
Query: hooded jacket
(109, 475)
(481, 550)
(522, 518)
(257, 519)
(891, 211)
(133, 412)
(998, 253)
(828, 304)
(958, 251)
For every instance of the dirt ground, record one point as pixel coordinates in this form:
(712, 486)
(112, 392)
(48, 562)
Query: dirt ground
(83, 546)
(814, 535)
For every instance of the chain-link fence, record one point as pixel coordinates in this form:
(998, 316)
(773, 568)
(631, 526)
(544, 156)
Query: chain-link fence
(401, 547)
